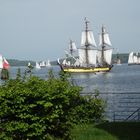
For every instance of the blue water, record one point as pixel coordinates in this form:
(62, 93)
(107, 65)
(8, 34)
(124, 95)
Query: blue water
(122, 78)
(120, 87)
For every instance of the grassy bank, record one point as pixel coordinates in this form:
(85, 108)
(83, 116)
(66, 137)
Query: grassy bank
(107, 131)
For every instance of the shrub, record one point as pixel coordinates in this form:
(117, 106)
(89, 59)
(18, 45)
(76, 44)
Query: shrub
(39, 109)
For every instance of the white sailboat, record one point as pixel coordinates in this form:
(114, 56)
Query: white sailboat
(37, 66)
(48, 64)
(42, 64)
(133, 59)
(90, 58)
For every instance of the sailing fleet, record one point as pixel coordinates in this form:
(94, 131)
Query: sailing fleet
(89, 57)
(43, 64)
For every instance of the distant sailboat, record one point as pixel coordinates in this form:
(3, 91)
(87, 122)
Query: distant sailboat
(133, 59)
(117, 60)
(37, 66)
(48, 64)
(4, 66)
(90, 58)
(44, 64)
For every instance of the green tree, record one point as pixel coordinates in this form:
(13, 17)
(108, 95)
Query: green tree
(38, 109)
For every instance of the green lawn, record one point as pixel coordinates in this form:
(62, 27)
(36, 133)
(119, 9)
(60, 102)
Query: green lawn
(107, 131)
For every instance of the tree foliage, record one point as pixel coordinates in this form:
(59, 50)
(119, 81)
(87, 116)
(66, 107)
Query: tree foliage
(40, 109)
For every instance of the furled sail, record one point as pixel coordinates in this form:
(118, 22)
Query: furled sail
(104, 38)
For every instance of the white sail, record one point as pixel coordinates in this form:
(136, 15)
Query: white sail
(99, 57)
(108, 56)
(72, 46)
(91, 56)
(138, 60)
(37, 65)
(42, 64)
(48, 64)
(130, 58)
(104, 38)
(1, 62)
(88, 38)
(64, 62)
(82, 56)
(77, 62)
(135, 59)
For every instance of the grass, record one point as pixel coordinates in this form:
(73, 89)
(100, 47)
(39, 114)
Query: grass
(107, 131)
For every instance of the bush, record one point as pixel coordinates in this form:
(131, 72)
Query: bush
(39, 109)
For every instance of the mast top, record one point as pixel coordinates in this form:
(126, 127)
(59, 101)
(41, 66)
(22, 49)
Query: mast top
(86, 22)
(103, 29)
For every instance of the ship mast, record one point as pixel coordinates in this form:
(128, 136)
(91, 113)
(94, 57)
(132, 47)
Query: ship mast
(71, 49)
(103, 45)
(86, 42)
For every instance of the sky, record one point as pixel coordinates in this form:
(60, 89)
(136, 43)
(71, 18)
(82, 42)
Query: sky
(41, 29)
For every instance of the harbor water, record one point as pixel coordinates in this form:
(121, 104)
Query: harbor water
(120, 87)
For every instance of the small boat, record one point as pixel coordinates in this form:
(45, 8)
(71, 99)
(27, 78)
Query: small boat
(133, 59)
(44, 64)
(4, 66)
(48, 64)
(37, 66)
(117, 60)
(90, 58)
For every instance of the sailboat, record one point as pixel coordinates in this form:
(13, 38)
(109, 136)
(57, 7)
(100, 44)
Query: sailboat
(48, 64)
(117, 60)
(37, 66)
(90, 58)
(44, 64)
(133, 59)
(4, 66)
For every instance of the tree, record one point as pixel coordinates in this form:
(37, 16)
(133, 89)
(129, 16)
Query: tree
(39, 109)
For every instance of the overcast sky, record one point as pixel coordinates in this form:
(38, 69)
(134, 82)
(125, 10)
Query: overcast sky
(41, 29)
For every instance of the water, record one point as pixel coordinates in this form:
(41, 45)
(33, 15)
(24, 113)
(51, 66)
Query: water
(120, 87)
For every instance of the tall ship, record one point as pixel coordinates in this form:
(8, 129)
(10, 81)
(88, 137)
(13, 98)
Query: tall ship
(89, 58)
(133, 59)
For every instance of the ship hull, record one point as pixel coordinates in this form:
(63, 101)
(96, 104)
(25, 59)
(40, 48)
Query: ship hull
(72, 69)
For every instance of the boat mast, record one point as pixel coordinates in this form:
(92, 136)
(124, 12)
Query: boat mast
(86, 43)
(71, 49)
(103, 45)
